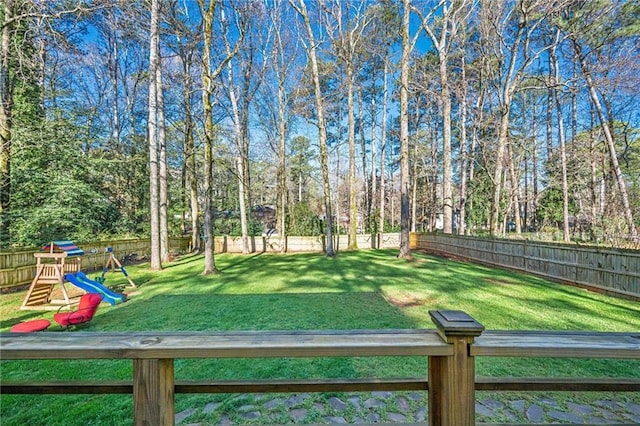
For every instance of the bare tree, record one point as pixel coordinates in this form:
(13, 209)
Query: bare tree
(162, 169)
(383, 144)
(241, 92)
(240, 117)
(283, 55)
(154, 184)
(622, 187)
(209, 75)
(383, 33)
(310, 47)
(345, 26)
(441, 23)
(514, 53)
(592, 28)
(116, 66)
(208, 15)
(465, 155)
(185, 47)
(555, 83)
(407, 47)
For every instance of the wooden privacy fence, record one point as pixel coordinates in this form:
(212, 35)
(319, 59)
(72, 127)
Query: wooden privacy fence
(450, 378)
(294, 244)
(18, 267)
(611, 270)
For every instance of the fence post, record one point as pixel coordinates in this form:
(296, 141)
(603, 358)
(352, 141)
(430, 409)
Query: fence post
(452, 378)
(153, 393)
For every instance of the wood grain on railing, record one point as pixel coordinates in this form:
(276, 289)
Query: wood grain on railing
(248, 344)
(153, 354)
(560, 344)
(451, 350)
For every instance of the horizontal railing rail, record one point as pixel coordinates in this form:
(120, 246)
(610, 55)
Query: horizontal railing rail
(495, 384)
(240, 344)
(450, 349)
(557, 344)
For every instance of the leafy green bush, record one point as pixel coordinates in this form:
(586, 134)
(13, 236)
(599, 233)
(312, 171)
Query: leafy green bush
(54, 192)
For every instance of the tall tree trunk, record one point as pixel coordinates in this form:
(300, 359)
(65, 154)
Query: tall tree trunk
(562, 146)
(366, 209)
(282, 172)
(503, 131)
(534, 160)
(549, 120)
(593, 187)
(246, 166)
(414, 187)
(209, 247)
(242, 204)
(281, 66)
(383, 146)
(163, 189)
(516, 59)
(448, 23)
(510, 79)
(447, 193)
(353, 188)
(241, 138)
(464, 155)
(374, 177)
(113, 71)
(613, 156)
(154, 207)
(433, 217)
(515, 188)
(405, 249)
(240, 169)
(6, 106)
(301, 8)
(478, 118)
(193, 197)
(190, 155)
(346, 34)
(574, 103)
(209, 75)
(207, 110)
(337, 185)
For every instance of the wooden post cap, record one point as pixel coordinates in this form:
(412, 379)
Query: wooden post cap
(456, 323)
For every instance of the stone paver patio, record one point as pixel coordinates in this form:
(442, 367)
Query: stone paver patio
(402, 407)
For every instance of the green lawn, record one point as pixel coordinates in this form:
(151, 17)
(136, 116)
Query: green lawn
(364, 289)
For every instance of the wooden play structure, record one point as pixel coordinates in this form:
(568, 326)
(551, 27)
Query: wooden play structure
(50, 269)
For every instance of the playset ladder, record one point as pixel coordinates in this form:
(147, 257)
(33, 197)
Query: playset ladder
(48, 275)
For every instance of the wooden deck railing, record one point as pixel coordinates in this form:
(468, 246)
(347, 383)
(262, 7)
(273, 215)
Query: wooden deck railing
(450, 378)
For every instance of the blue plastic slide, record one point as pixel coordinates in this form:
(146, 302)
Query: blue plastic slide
(82, 281)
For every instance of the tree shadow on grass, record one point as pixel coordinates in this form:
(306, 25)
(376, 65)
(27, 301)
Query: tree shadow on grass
(282, 311)
(183, 260)
(495, 297)
(287, 311)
